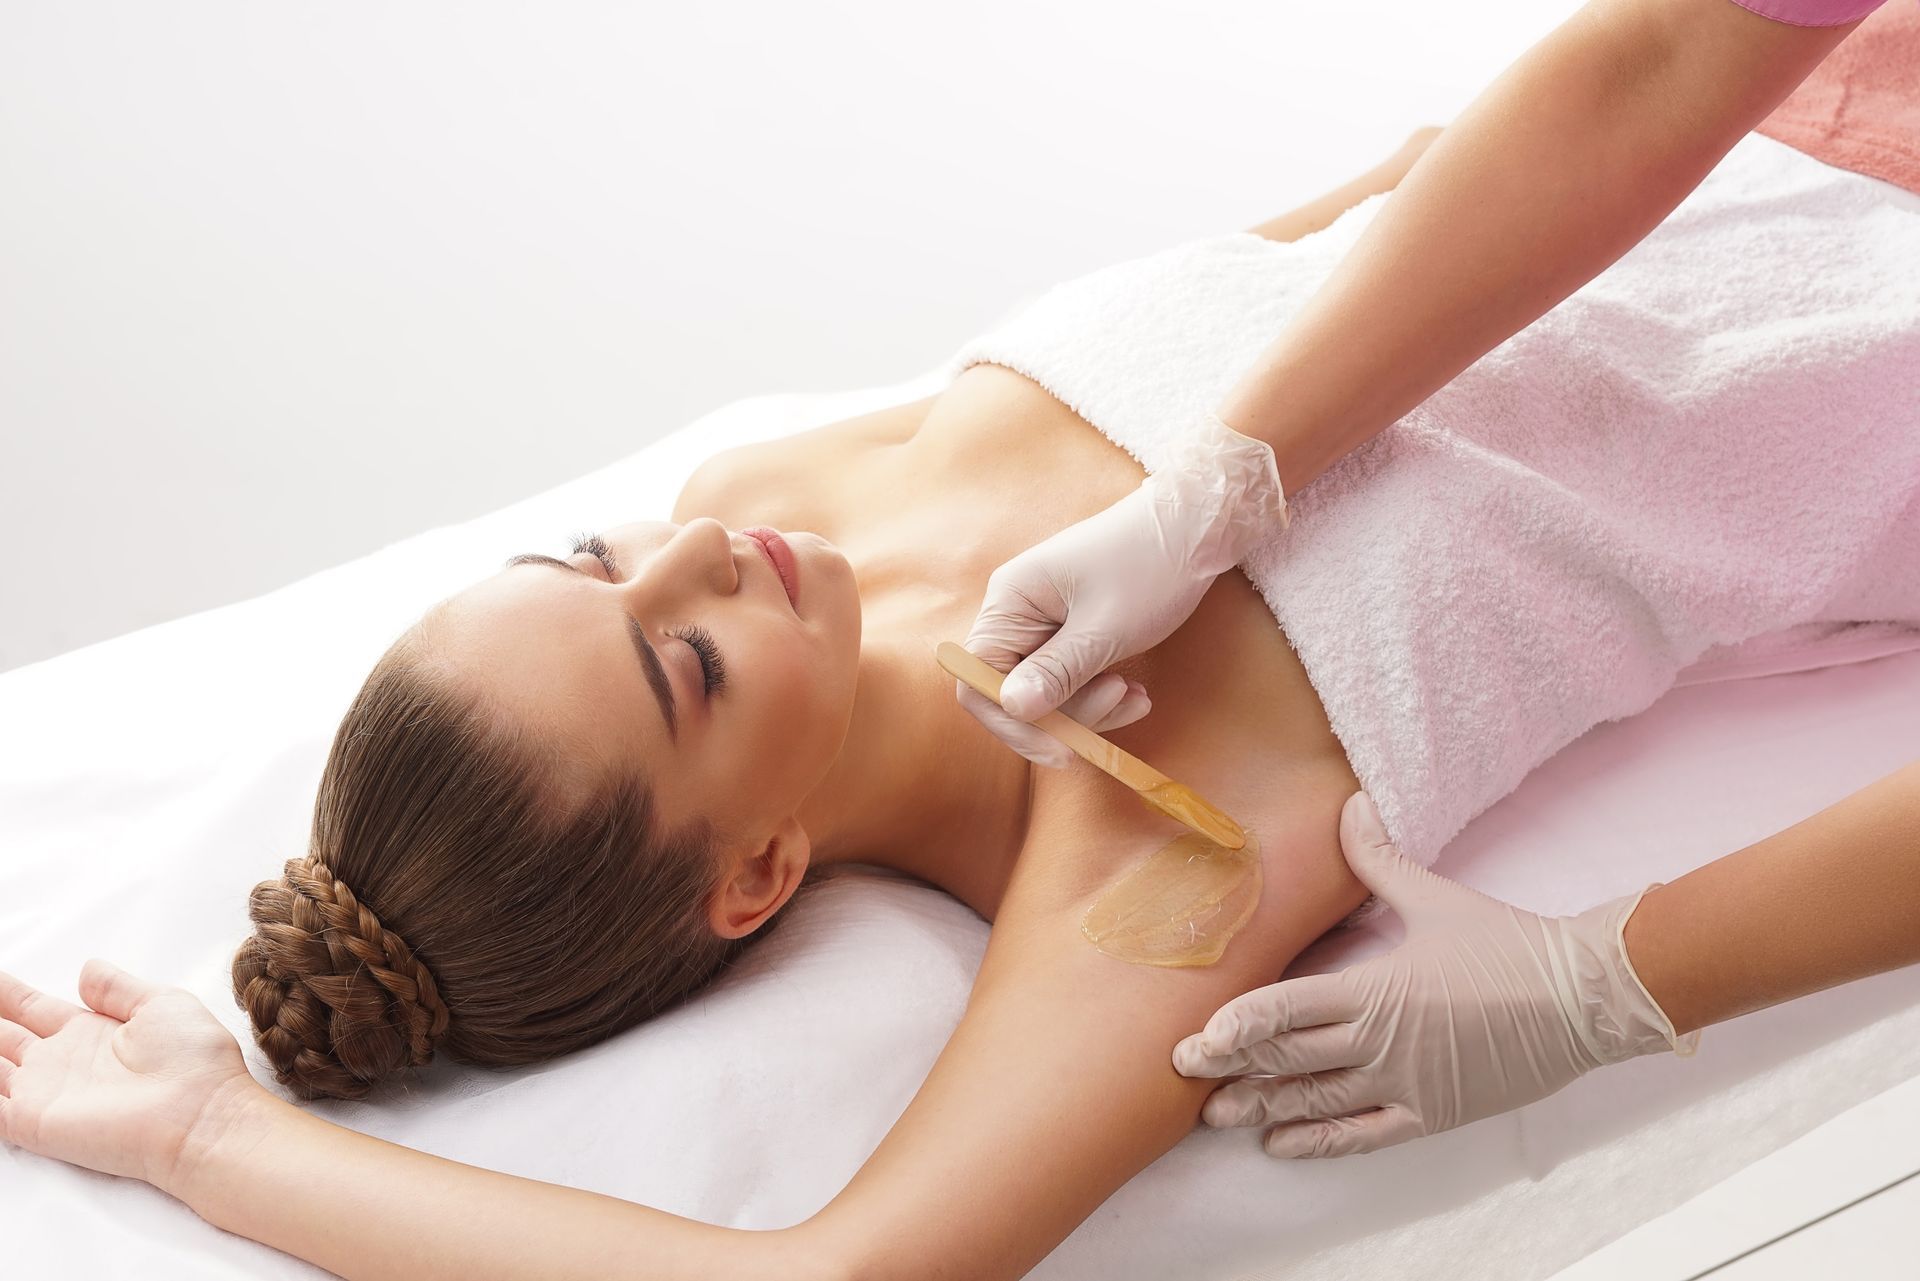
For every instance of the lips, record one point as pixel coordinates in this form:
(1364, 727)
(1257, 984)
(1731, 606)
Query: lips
(781, 557)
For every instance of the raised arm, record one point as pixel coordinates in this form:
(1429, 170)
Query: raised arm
(369, 1210)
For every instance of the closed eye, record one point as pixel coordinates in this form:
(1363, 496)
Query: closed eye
(711, 666)
(588, 542)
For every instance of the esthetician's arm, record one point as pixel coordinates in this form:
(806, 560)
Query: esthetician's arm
(1564, 163)
(1487, 1007)
(1558, 168)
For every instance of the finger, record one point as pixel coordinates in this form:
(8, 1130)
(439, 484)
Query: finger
(1014, 618)
(1368, 849)
(1269, 1100)
(1262, 1014)
(1053, 673)
(1036, 745)
(1417, 893)
(112, 991)
(7, 1069)
(31, 1008)
(13, 1041)
(1096, 698)
(1343, 1136)
(1106, 702)
(1291, 1053)
(1134, 705)
(1303, 1052)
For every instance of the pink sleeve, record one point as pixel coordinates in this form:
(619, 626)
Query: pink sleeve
(1812, 13)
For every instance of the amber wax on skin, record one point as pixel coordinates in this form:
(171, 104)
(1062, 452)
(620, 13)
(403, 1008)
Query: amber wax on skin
(1181, 906)
(1184, 805)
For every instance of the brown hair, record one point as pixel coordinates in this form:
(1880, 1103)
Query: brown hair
(533, 927)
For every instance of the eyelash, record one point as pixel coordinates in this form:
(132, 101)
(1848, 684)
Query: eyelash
(713, 670)
(711, 667)
(601, 552)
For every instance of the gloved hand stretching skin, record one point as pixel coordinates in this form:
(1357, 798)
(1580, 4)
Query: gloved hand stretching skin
(1484, 1008)
(1121, 581)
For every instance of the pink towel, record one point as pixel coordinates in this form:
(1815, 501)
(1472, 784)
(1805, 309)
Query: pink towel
(1860, 109)
(1715, 440)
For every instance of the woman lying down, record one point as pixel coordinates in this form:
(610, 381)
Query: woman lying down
(573, 791)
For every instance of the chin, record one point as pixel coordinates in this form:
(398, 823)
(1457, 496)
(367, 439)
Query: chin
(826, 572)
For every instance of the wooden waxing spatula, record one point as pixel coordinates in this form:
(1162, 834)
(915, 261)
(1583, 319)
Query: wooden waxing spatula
(1176, 800)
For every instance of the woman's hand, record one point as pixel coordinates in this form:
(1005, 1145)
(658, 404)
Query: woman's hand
(121, 1090)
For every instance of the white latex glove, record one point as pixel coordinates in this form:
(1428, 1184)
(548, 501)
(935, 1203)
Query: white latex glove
(1484, 1008)
(1106, 702)
(1120, 581)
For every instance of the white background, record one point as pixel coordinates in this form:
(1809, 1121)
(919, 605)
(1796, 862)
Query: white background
(283, 283)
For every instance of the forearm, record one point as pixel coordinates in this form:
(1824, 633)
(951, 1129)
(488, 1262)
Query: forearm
(365, 1208)
(1557, 169)
(1831, 899)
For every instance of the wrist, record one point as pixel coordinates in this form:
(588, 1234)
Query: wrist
(1613, 1012)
(1228, 479)
(235, 1119)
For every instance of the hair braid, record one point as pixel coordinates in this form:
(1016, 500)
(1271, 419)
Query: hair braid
(357, 931)
(303, 979)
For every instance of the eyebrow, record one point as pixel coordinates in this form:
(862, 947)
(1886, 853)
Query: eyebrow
(649, 660)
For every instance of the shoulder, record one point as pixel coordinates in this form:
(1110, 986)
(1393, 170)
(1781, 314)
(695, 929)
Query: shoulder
(748, 470)
(719, 475)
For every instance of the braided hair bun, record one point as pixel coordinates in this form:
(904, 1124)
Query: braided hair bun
(338, 1002)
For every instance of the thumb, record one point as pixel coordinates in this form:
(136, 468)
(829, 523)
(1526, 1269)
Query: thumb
(1022, 607)
(1413, 891)
(110, 990)
(1052, 674)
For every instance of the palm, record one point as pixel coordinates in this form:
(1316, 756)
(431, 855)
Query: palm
(112, 1094)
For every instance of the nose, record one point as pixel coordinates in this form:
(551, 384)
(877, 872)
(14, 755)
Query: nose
(698, 559)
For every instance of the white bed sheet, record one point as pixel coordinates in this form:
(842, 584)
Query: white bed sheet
(147, 782)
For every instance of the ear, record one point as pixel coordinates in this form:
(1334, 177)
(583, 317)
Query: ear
(759, 883)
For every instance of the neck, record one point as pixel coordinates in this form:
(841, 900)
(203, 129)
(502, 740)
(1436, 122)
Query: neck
(918, 785)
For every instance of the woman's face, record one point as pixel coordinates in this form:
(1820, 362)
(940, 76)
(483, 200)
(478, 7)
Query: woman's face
(746, 696)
